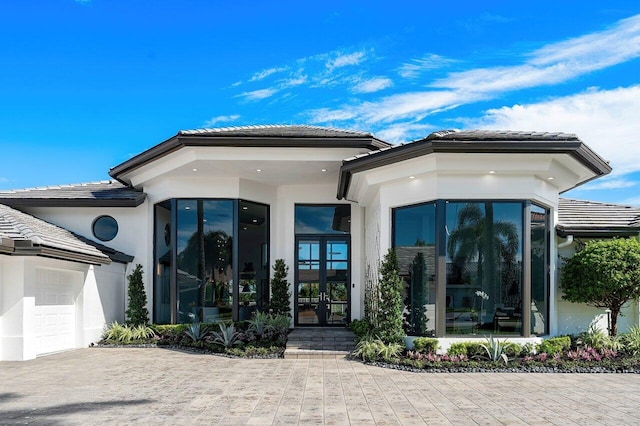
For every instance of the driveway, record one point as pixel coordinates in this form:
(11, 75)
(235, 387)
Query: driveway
(159, 386)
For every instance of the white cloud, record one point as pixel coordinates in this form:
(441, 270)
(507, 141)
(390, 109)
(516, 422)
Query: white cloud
(294, 81)
(372, 85)
(266, 73)
(403, 132)
(256, 95)
(343, 60)
(633, 201)
(220, 119)
(414, 68)
(556, 62)
(615, 183)
(3, 179)
(606, 120)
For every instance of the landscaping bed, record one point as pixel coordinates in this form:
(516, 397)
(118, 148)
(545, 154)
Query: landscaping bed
(264, 336)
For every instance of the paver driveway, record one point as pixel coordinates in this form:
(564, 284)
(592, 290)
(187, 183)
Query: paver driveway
(152, 386)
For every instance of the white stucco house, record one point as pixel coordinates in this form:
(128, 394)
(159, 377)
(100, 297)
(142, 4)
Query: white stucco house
(475, 217)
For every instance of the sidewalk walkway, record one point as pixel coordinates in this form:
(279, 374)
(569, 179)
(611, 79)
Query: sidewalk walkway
(319, 343)
(160, 386)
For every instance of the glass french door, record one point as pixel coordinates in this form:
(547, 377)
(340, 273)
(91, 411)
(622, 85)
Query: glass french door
(322, 279)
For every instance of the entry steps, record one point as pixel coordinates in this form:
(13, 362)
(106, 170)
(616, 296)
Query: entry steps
(319, 343)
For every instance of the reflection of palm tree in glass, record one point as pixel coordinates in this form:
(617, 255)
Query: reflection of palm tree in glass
(207, 254)
(477, 236)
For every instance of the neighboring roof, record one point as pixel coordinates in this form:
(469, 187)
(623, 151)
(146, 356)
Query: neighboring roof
(474, 141)
(106, 193)
(593, 219)
(26, 235)
(288, 136)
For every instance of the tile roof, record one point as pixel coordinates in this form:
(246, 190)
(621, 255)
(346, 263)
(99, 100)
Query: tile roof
(106, 193)
(500, 135)
(28, 235)
(265, 136)
(591, 218)
(275, 130)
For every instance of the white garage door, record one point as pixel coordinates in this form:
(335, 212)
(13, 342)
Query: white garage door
(54, 311)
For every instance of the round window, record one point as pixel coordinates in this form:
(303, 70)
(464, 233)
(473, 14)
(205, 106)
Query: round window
(105, 228)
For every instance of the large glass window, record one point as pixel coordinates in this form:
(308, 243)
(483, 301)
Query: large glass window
(162, 250)
(414, 243)
(462, 264)
(539, 256)
(253, 262)
(484, 267)
(212, 260)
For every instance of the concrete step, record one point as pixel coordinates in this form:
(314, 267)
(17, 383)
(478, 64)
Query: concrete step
(319, 343)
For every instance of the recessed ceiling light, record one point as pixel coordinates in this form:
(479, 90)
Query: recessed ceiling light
(492, 172)
(255, 220)
(323, 170)
(258, 170)
(550, 178)
(187, 208)
(412, 177)
(195, 170)
(244, 207)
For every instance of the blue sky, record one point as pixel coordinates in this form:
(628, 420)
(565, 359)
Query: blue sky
(85, 85)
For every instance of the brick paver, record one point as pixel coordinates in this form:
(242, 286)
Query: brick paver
(158, 386)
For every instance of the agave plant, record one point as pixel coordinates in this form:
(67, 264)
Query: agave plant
(259, 323)
(227, 336)
(496, 350)
(195, 332)
(279, 324)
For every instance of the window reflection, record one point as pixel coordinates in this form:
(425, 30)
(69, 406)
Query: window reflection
(323, 219)
(539, 244)
(204, 260)
(484, 268)
(414, 243)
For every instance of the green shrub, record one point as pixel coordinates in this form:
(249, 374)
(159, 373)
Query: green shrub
(425, 345)
(280, 294)
(555, 345)
(457, 349)
(360, 328)
(631, 341)
(137, 313)
(389, 315)
(513, 349)
(469, 348)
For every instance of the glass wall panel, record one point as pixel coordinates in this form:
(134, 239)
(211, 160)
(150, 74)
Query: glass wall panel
(539, 256)
(323, 219)
(484, 267)
(253, 257)
(414, 244)
(162, 254)
(204, 260)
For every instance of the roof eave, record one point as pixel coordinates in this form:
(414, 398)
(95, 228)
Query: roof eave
(586, 232)
(56, 253)
(73, 202)
(576, 149)
(180, 141)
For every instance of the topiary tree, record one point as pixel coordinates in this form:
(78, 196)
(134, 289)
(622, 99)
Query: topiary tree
(390, 306)
(605, 274)
(137, 313)
(280, 295)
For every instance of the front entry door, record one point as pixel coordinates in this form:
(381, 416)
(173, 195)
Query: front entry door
(322, 279)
